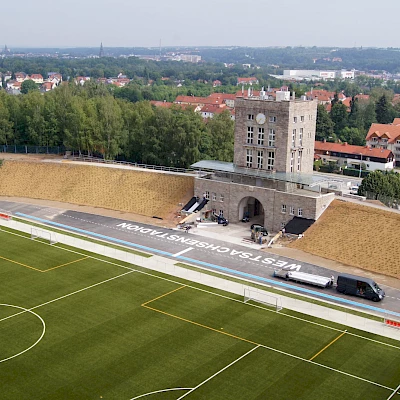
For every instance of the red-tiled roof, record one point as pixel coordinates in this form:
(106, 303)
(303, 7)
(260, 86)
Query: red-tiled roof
(247, 80)
(352, 149)
(389, 131)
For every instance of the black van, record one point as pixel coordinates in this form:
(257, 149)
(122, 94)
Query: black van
(359, 286)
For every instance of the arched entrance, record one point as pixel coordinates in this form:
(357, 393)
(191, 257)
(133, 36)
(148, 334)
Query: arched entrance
(252, 208)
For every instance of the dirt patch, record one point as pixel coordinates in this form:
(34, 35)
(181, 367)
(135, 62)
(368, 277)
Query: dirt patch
(357, 236)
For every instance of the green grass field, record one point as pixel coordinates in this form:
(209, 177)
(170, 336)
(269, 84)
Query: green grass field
(75, 325)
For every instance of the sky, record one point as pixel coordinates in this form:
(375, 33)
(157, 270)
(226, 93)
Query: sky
(253, 23)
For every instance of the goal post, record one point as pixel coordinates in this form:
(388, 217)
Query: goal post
(46, 236)
(258, 296)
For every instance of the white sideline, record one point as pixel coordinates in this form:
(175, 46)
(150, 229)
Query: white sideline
(227, 286)
(228, 298)
(218, 372)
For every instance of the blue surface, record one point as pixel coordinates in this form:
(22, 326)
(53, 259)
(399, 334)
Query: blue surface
(213, 266)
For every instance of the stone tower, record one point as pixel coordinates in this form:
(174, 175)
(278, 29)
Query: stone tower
(275, 135)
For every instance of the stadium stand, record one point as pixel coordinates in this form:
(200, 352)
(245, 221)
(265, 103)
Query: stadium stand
(140, 192)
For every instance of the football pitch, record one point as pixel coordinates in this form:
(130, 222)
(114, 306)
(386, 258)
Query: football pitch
(75, 325)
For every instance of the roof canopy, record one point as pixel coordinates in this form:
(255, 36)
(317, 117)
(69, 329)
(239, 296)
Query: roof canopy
(222, 166)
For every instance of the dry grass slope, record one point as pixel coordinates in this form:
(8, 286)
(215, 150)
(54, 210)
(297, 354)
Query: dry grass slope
(356, 235)
(145, 193)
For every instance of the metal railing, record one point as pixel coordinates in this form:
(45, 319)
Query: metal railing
(25, 149)
(131, 164)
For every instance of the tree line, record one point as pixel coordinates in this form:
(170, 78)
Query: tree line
(351, 126)
(90, 120)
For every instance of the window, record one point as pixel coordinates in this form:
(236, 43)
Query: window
(292, 161)
(302, 118)
(301, 137)
(272, 119)
(397, 141)
(291, 210)
(249, 158)
(309, 134)
(250, 134)
(283, 208)
(221, 213)
(271, 137)
(270, 160)
(375, 139)
(221, 197)
(294, 137)
(207, 195)
(260, 141)
(250, 117)
(299, 161)
(214, 196)
(300, 212)
(214, 211)
(260, 157)
(294, 119)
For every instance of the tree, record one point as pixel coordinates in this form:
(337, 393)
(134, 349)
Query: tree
(28, 86)
(221, 129)
(339, 117)
(6, 125)
(381, 183)
(324, 128)
(384, 111)
(352, 136)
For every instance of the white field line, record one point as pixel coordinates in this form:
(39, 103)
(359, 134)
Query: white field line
(265, 309)
(37, 341)
(217, 294)
(67, 295)
(158, 391)
(217, 373)
(182, 252)
(228, 298)
(326, 367)
(394, 393)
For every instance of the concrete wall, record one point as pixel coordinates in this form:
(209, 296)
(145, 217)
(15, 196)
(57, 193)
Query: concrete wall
(312, 204)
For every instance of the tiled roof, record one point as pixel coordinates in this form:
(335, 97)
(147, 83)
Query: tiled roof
(389, 131)
(352, 149)
(247, 80)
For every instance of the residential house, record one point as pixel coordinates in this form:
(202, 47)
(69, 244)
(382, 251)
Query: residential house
(21, 76)
(209, 110)
(7, 76)
(54, 76)
(347, 155)
(385, 136)
(217, 83)
(47, 86)
(37, 78)
(80, 80)
(13, 85)
(247, 81)
(361, 98)
(227, 98)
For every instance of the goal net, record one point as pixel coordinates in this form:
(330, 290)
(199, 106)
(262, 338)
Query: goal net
(267, 299)
(46, 236)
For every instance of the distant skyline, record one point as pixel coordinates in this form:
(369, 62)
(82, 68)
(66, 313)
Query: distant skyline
(254, 23)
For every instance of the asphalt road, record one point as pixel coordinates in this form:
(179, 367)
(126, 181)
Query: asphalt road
(210, 253)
